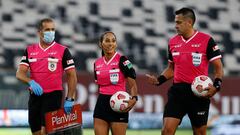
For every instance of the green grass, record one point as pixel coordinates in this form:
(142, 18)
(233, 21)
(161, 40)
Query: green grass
(26, 131)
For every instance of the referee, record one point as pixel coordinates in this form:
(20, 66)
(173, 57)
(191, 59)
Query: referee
(190, 52)
(46, 61)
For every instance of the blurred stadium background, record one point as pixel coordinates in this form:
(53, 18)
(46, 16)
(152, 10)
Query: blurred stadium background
(143, 28)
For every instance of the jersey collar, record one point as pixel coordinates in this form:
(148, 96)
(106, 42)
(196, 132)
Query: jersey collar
(47, 47)
(110, 59)
(186, 41)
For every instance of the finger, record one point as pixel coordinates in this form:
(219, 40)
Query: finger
(126, 101)
(148, 75)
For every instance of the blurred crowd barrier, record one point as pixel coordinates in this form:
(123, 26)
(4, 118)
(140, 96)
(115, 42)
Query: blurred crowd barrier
(142, 27)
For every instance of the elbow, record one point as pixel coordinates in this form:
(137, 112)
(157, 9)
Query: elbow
(18, 75)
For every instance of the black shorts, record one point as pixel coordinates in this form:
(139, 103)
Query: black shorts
(182, 101)
(39, 105)
(104, 111)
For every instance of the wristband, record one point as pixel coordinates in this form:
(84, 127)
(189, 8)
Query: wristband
(136, 97)
(161, 79)
(69, 99)
(217, 83)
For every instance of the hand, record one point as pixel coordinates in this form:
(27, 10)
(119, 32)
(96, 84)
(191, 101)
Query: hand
(131, 102)
(152, 79)
(36, 88)
(211, 91)
(68, 106)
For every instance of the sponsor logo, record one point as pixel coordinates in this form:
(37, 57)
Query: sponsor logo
(65, 118)
(122, 118)
(34, 53)
(128, 64)
(52, 53)
(201, 113)
(70, 61)
(215, 48)
(196, 45)
(99, 66)
(177, 46)
(114, 63)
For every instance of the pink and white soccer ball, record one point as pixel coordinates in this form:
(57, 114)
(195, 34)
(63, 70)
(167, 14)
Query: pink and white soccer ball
(199, 84)
(116, 101)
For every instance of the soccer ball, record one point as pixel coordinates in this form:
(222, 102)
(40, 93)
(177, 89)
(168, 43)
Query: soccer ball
(199, 84)
(116, 101)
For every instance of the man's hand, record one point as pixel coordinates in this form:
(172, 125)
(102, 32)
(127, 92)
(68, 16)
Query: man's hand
(152, 79)
(36, 88)
(68, 104)
(211, 91)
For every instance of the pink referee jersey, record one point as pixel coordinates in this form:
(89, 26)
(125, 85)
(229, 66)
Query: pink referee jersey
(47, 65)
(191, 57)
(109, 77)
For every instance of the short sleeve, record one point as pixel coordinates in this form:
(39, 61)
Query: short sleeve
(24, 59)
(213, 51)
(67, 60)
(127, 68)
(170, 58)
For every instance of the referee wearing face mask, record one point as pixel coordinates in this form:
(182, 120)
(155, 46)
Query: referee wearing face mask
(46, 61)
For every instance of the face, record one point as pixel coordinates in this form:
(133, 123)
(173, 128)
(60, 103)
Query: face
(46, 27)
(109, 43)
(182, 24)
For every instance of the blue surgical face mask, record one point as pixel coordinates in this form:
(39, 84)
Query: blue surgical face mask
(48, 36)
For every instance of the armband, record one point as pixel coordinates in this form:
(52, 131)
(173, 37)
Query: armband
(161, 79)
(217, 83)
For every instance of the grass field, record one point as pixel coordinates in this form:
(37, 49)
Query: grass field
(26, 131)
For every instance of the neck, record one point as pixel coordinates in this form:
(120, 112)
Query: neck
(189, 34)
(108, 56)
(44, 45)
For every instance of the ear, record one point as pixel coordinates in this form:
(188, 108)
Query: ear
(190, 22)
(100, 44)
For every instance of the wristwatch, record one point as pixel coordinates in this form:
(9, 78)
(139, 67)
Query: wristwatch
(136, 97)
(69, 99)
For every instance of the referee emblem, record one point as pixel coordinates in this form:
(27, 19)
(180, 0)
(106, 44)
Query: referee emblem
(196, 59)
(52, 64)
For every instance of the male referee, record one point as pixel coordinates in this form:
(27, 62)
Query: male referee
(46, 61)
(190, 52)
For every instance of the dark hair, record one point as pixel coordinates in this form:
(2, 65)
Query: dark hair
(102, 36)
(40, 23)
(186, 12)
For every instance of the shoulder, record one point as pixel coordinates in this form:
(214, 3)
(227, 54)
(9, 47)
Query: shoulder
(98, 60)
(32, 46)
(174, 39)
(60, 46)
(204, 35)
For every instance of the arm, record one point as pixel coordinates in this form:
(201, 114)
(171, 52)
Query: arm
(218, 69)
(71, 82)
(218, 74)
(132, 86)
(21, 74)
(133, 91)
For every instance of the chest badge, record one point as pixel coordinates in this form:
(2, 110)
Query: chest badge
(196, 59)
(114, 78)
(52, 64)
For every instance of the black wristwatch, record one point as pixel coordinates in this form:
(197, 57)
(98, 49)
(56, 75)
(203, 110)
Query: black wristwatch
(136, 97)
(69, 99)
